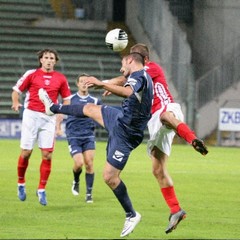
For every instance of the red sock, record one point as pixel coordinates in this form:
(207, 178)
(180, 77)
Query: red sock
(22, 167)
(171, 199)
(185, 132)
(45, 170)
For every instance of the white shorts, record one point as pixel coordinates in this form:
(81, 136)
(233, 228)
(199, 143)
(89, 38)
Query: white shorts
(37, 126)
(161, 136)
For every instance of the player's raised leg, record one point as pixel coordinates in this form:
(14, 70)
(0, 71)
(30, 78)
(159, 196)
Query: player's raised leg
(89, 110)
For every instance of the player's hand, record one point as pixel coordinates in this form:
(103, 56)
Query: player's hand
(16, 107)
(92, 81)
(59, 119)
(106, 93)
(59, 132)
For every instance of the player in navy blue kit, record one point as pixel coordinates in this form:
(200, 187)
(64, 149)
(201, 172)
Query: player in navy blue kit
(125, 127)
(81, 140)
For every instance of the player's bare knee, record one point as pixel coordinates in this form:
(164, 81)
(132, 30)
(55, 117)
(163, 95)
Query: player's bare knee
(110, 180)
(26, 154)
(89, 109)
(158, 172)
(164, 117)
(167, 117)
(79, 164)
(89, 167)
(47, 155)
(106, 178)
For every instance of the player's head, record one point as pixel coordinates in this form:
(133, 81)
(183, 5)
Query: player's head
(82, 87)
(52, 54)
(142, 49)
(131, 63)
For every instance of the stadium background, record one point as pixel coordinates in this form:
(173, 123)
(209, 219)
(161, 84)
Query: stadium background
(197, 42)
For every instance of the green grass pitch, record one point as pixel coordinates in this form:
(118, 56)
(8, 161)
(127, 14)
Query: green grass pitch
(207, 188)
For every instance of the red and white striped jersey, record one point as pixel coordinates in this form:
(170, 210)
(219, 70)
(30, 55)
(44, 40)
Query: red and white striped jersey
(162, 95)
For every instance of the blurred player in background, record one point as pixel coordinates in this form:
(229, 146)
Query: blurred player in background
(125, 126)
(36, 125)
(81, 140)
(167, 120)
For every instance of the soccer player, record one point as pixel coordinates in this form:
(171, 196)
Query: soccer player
(81, 140)
(36, 125)
(167, 120)
(125, 126)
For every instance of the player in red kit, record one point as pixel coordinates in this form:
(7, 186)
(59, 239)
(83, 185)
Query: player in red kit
(36, 125)
(167, 120)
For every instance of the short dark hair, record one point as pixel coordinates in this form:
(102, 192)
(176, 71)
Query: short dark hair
(47, 50)
(140, 48)
(138, 57)
(81, 75)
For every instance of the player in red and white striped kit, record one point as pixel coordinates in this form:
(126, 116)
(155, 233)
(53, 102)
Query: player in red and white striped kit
(36, 125)
(167, 120)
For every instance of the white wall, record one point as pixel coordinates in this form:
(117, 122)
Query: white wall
(216, 32)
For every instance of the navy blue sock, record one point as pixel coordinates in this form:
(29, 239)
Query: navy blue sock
(89, 182)
(76, 175)
(121, 193)
(74, 110)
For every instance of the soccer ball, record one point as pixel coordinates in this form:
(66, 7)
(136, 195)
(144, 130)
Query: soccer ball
(116, 40)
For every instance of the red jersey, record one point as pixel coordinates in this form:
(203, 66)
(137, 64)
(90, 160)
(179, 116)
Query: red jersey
(54, 83)
(162, 95)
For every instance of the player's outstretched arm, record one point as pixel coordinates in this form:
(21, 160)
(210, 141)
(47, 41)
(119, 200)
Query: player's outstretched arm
(120, 81)
(115, 89)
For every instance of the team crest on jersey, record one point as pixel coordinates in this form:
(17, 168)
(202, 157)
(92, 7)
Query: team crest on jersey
(118, 156)
(47, 82)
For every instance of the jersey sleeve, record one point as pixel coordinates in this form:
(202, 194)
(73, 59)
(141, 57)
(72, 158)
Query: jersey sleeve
(136, 85)
(23, 82)
(65, 89)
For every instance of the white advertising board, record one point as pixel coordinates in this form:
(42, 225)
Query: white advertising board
(229, 119)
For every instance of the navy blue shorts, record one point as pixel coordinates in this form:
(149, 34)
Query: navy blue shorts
(120, 142)
(80, 145)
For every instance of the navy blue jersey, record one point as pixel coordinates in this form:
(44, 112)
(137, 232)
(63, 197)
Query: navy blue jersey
(126, 126)
(81, 127)
(137, 107)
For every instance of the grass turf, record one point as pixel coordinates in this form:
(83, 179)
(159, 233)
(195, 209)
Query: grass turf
(207, 188)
